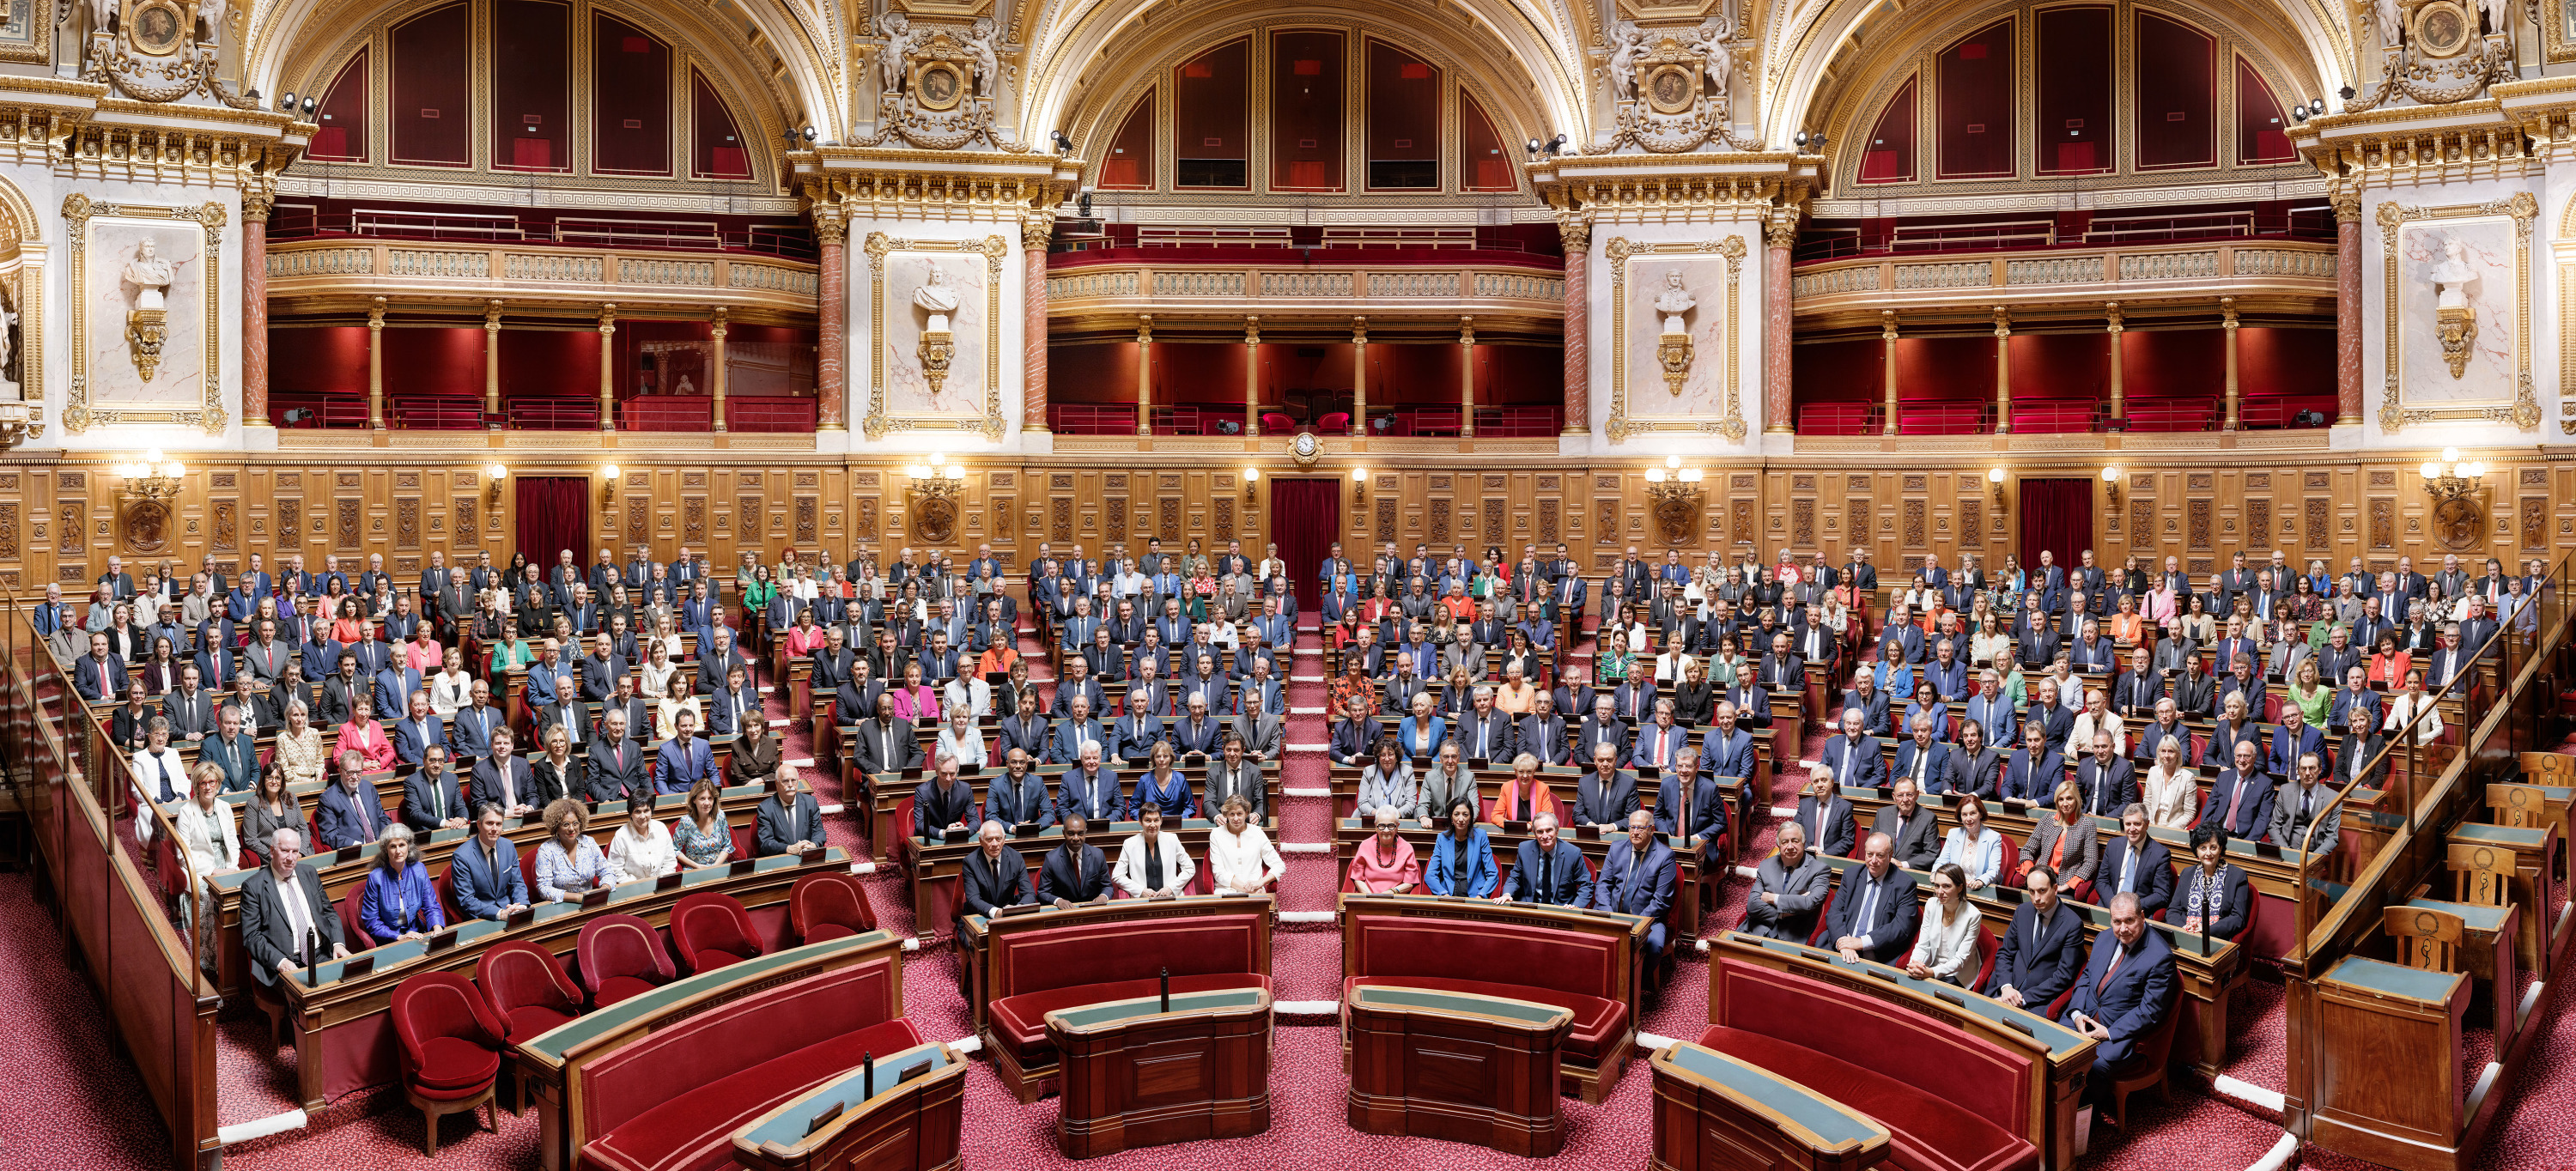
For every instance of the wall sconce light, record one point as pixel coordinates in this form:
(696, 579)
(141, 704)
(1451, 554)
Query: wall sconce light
(938, 484)
(15, 419)
(2111, 476)
(1995, 476)
(153, 478)
(608, 486)
(1359, 486)
(2449, 478)
(1251, 476)
(493, 474)
(1676, 494)
(938, 478)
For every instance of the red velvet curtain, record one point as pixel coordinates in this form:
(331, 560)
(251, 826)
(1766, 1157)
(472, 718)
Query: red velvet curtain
(554, 515)
(2056, 515)
(1305, 516)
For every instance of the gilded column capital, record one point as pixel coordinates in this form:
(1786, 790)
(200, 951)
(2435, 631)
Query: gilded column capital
(831, 224)
(1575, 228)
(2347, 204)
(1781, 230)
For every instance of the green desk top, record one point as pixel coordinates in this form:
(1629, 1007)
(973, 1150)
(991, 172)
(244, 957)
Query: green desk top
(2387, 979)
(789, 1125)
(2503, 835)
(2059, 1039)
(1463, 1002)
(555, 1042)
(1091, 1015)
(2487, 919)
(1831, 1124)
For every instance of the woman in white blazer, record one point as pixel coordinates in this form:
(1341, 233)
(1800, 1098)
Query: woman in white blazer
(961, 740)
(1174, 866)
(1948, 941)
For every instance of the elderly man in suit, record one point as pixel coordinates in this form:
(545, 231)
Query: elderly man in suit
(1827, 818)
(2043, 949)
(286, 919)
(1875, 915)
(1637, 879)
(617, 765)
(2127, 988)
(1548, 870)
(1924, 760)
(1075, 872)
(788, 820)
(350, 813)
(1788, 889)
(1852, 757)
(885, 744)
(2303, 802)
(1088, 789)
(1905, 822)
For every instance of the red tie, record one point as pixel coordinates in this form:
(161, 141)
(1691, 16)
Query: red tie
(2117, 954)
(2236, 797)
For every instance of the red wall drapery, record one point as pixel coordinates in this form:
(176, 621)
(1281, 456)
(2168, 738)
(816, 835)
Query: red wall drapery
(554, 515)
(1304, 516)
(2056, 515)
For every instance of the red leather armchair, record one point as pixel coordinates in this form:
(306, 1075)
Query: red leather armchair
(829, 906)
(527, 987)
(353, 924)
(710, 930)
(451, 1049)
(621, 956)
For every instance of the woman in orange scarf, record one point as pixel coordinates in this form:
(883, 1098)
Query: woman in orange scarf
(1525, 796)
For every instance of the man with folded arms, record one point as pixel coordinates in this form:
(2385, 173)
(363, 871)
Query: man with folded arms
(1788, 888)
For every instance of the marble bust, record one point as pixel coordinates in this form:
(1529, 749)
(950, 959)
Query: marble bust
(935, 296)
(2452, 276)
(1673, 302)
(150, 275)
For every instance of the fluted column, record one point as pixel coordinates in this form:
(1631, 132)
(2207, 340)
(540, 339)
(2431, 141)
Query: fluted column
(1887, 342)
(716, 377)
(1779, 233)
(2003, 370)
(1145, 374)
(2348, 395)
(1359, 375)
(1252, 377)
(376, 364)
(2119, 396)
(254, 312)
(492, 364)
(1036, 229)
(1576, 229)
(831, 385)
(2235, 399)
(608, 367)
(1466, 378)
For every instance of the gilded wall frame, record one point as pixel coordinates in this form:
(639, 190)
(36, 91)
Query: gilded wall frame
(2555, 39)
(2524, 409)
(80, 412)
(1620, 250)
(995, 251)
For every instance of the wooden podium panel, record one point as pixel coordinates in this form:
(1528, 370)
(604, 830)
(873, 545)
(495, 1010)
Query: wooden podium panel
(1138, 1075)
(2390, 1088)
(1715, 1113)
(856, 1122)
(1456, 1066)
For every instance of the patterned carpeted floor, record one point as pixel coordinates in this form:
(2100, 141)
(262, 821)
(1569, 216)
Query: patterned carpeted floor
(52, 1028)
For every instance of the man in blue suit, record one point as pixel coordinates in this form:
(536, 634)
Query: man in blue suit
(416, 731)
(350, 812)
(1878, 908)
(1547, 870)
(2043, 949)
(1726, 751)
(2294, 740)
(1076, 732)
(232, 750)
(2134, 863)
(1923, 758)
(1991, 710)
(1852, 758)
(486, 877)
(2240, 799)
(1088, 789)
(1637, 879)
(2127, 989)
(684, 760)
(99, 676)
(1825, 816)
(1706, 805)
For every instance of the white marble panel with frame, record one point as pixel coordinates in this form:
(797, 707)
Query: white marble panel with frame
(2496, 384)
(899, 395)
(1712, 398)
(107, 387)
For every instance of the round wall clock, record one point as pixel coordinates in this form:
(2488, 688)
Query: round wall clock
(1304, 447)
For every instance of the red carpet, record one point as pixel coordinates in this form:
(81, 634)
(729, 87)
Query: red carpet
(51, 1026)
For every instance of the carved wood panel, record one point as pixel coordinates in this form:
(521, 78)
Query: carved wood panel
(2320, 525)
(2535, 522)
(345, 518)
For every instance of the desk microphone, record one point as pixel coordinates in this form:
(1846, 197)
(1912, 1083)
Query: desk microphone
(1167, 990)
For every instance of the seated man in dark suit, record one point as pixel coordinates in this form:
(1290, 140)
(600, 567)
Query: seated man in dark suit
(942, 803)
(506, 780)
(2134, 863)
(994, 876)
(1684, 788)
(284, 913)
(349, 812)
(1827, 818)
(1788, 888)
(1851, 757)
(485, 877)
(2043, 949)
(2240, 799)
(2108, 782)
(789, 821)
(885, 744)
(1604, 797)
(1916, 834)
(617, 767)
(431, 801)
(1548, 870)
(1075, 872)
(1637, 879)
(2127, 988)
(1875, 914)
(1924, 759)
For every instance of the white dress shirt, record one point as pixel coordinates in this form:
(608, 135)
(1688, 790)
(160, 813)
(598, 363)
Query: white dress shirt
(1244, 861)
(649, 855)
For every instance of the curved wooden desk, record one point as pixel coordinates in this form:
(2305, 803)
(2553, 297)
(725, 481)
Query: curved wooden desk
(853, 1121)
(1715, 1113)
(1456, 1065)
(1137, 1074)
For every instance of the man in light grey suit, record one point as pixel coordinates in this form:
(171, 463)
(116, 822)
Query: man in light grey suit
(1264, 737)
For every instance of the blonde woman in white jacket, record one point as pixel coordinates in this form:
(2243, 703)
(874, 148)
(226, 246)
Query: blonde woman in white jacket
(1158, 871)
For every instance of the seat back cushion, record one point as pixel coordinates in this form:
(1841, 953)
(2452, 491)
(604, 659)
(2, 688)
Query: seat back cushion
(1392, 947)
(1061, 957)
(1971, 1073)
(427, 1008)
(624, 946)
(712, 926)
(521, 975)
(830, 900)
(730, 1038)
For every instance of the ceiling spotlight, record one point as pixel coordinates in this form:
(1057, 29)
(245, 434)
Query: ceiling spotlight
(1556, 145)
(1819, 141)
(1063, 141)
(2298, 113)
(286, 101)
(309, 106)
(1534, 147)
(1800, 138)
(809, 134)
(2316, 107)
(2346, 93)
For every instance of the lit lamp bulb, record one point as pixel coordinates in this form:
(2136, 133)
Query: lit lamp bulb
(1672, 461)
(1359, 475)
(2431, 470)
(495, 471)
(2111, 475)
(1692, 475)
(918, 471)
(937, 458)
(956, 471)
(2475, 470)
(2450, 455)
(1994, 475)
(610, 471)
(174, 469)
(1251, 474)
(1654, 475)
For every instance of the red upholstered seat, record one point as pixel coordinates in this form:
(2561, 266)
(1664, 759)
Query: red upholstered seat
(829, 906)
(451, 1040)
(622, 956)
(1926, 1131)
(1597, 1022)
(1020, 1021)
(353, 930)
(527, 987)
(693, 1131)
(710, 930)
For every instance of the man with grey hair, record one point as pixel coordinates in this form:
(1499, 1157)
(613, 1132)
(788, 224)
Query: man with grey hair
(349, 813)
(1548, 870)
(941, 803)
(2127, 988)
(1788, 889)
(286, 919)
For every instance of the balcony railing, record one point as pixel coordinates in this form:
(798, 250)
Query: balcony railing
(2297, 223)
(2256, 412)
(305, 221)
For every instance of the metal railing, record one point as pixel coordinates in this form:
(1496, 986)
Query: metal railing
(305, 221)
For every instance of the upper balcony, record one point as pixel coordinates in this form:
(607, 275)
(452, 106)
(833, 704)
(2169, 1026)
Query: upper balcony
(1196, 279)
